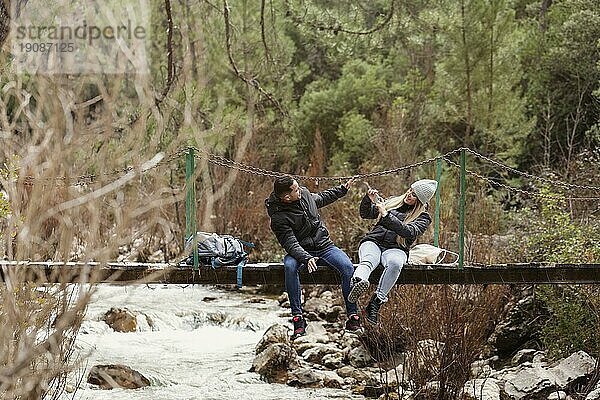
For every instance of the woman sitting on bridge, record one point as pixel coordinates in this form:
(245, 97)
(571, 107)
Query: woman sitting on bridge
(400, 220)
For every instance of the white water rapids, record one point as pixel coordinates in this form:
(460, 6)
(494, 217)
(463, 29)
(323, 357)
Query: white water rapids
(188, 348)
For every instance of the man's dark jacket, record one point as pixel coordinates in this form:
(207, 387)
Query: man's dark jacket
(298, 225)
(388, 228)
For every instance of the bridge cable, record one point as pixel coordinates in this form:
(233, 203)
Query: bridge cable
(89, 178)
(531, 176)
(246, 168)
(493, 182)
(227, 163)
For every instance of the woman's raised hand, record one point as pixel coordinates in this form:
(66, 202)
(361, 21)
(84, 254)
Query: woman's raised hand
(381, 208)
(374, 196)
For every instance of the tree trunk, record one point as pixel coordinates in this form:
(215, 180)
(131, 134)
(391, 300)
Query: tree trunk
(241, 145)
(543, 10)
(6, 7)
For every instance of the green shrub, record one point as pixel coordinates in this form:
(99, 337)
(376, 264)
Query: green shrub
(4, 207)
(574, 324)
(554, 236)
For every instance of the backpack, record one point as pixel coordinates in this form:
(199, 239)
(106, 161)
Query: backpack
(428, 254)
(218, 251)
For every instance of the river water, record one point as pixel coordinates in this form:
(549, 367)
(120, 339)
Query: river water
(194, 342)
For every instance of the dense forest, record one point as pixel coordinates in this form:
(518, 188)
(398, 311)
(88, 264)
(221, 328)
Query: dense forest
(314, 88)
(330, 89)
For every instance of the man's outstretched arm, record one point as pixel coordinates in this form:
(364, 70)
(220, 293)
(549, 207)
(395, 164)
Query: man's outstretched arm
(328, 196)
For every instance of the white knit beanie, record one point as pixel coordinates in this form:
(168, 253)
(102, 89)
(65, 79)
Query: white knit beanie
(424, 189)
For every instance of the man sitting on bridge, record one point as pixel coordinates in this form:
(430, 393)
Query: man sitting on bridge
(296, 222)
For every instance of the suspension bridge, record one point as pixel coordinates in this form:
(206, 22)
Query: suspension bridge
(461, 272)
(273, 273)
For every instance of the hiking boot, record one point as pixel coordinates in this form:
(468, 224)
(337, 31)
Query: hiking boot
(299, 326)
(372, 309)
(357, 288)
(353, 324)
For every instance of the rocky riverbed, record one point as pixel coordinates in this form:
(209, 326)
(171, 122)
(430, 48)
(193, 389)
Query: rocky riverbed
(329, 357)
(169, 342)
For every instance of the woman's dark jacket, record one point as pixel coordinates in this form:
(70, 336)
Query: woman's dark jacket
(388, 228)
(298, 225)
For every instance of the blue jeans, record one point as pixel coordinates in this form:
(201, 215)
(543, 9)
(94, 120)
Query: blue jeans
(332, 257)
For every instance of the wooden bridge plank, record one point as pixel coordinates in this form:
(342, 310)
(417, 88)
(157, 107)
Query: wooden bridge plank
(255, 274)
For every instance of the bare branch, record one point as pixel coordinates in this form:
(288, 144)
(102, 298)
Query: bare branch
(170, 64)
(262, 29)
(249, 81)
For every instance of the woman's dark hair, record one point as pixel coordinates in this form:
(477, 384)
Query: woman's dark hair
(282, 185)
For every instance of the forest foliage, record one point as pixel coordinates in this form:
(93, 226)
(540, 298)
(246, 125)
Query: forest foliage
(336, 88)
(319, 88)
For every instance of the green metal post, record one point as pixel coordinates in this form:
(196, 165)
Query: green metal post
(436, 227)
(461, 214)
(190, 203)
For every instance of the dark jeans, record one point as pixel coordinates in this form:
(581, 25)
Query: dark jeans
(332, 257)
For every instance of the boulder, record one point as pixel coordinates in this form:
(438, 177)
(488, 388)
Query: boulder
(346, 371)
(116, 376)
(350, 340)
(316, 353)
(482, 368)
(359, 357)
(525, 315)
(273, 362)
(275, 334)
(373, 390)
(323, 308)
(333, 361)
(283, 299)
(302, 347)
(349, 371)
(389, 396)
(331, 380)
(394, 377)
(573, 368)
(482, 389)
(121, 320)
(593, 395)
(536, 380)
(528, 355)
(304, 377)
(558, 395)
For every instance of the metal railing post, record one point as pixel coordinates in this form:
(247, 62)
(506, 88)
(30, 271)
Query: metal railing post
(461, 210)
(190, 204)
(436, 226)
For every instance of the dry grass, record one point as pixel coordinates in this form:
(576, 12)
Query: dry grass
(40, 325)
(65, 146)
(440, 329)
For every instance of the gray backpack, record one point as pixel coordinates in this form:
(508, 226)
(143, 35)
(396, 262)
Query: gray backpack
(218, 250)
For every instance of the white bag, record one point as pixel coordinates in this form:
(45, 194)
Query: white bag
(428, 254)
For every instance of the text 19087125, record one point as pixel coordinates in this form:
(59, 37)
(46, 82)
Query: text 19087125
(46, 47)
